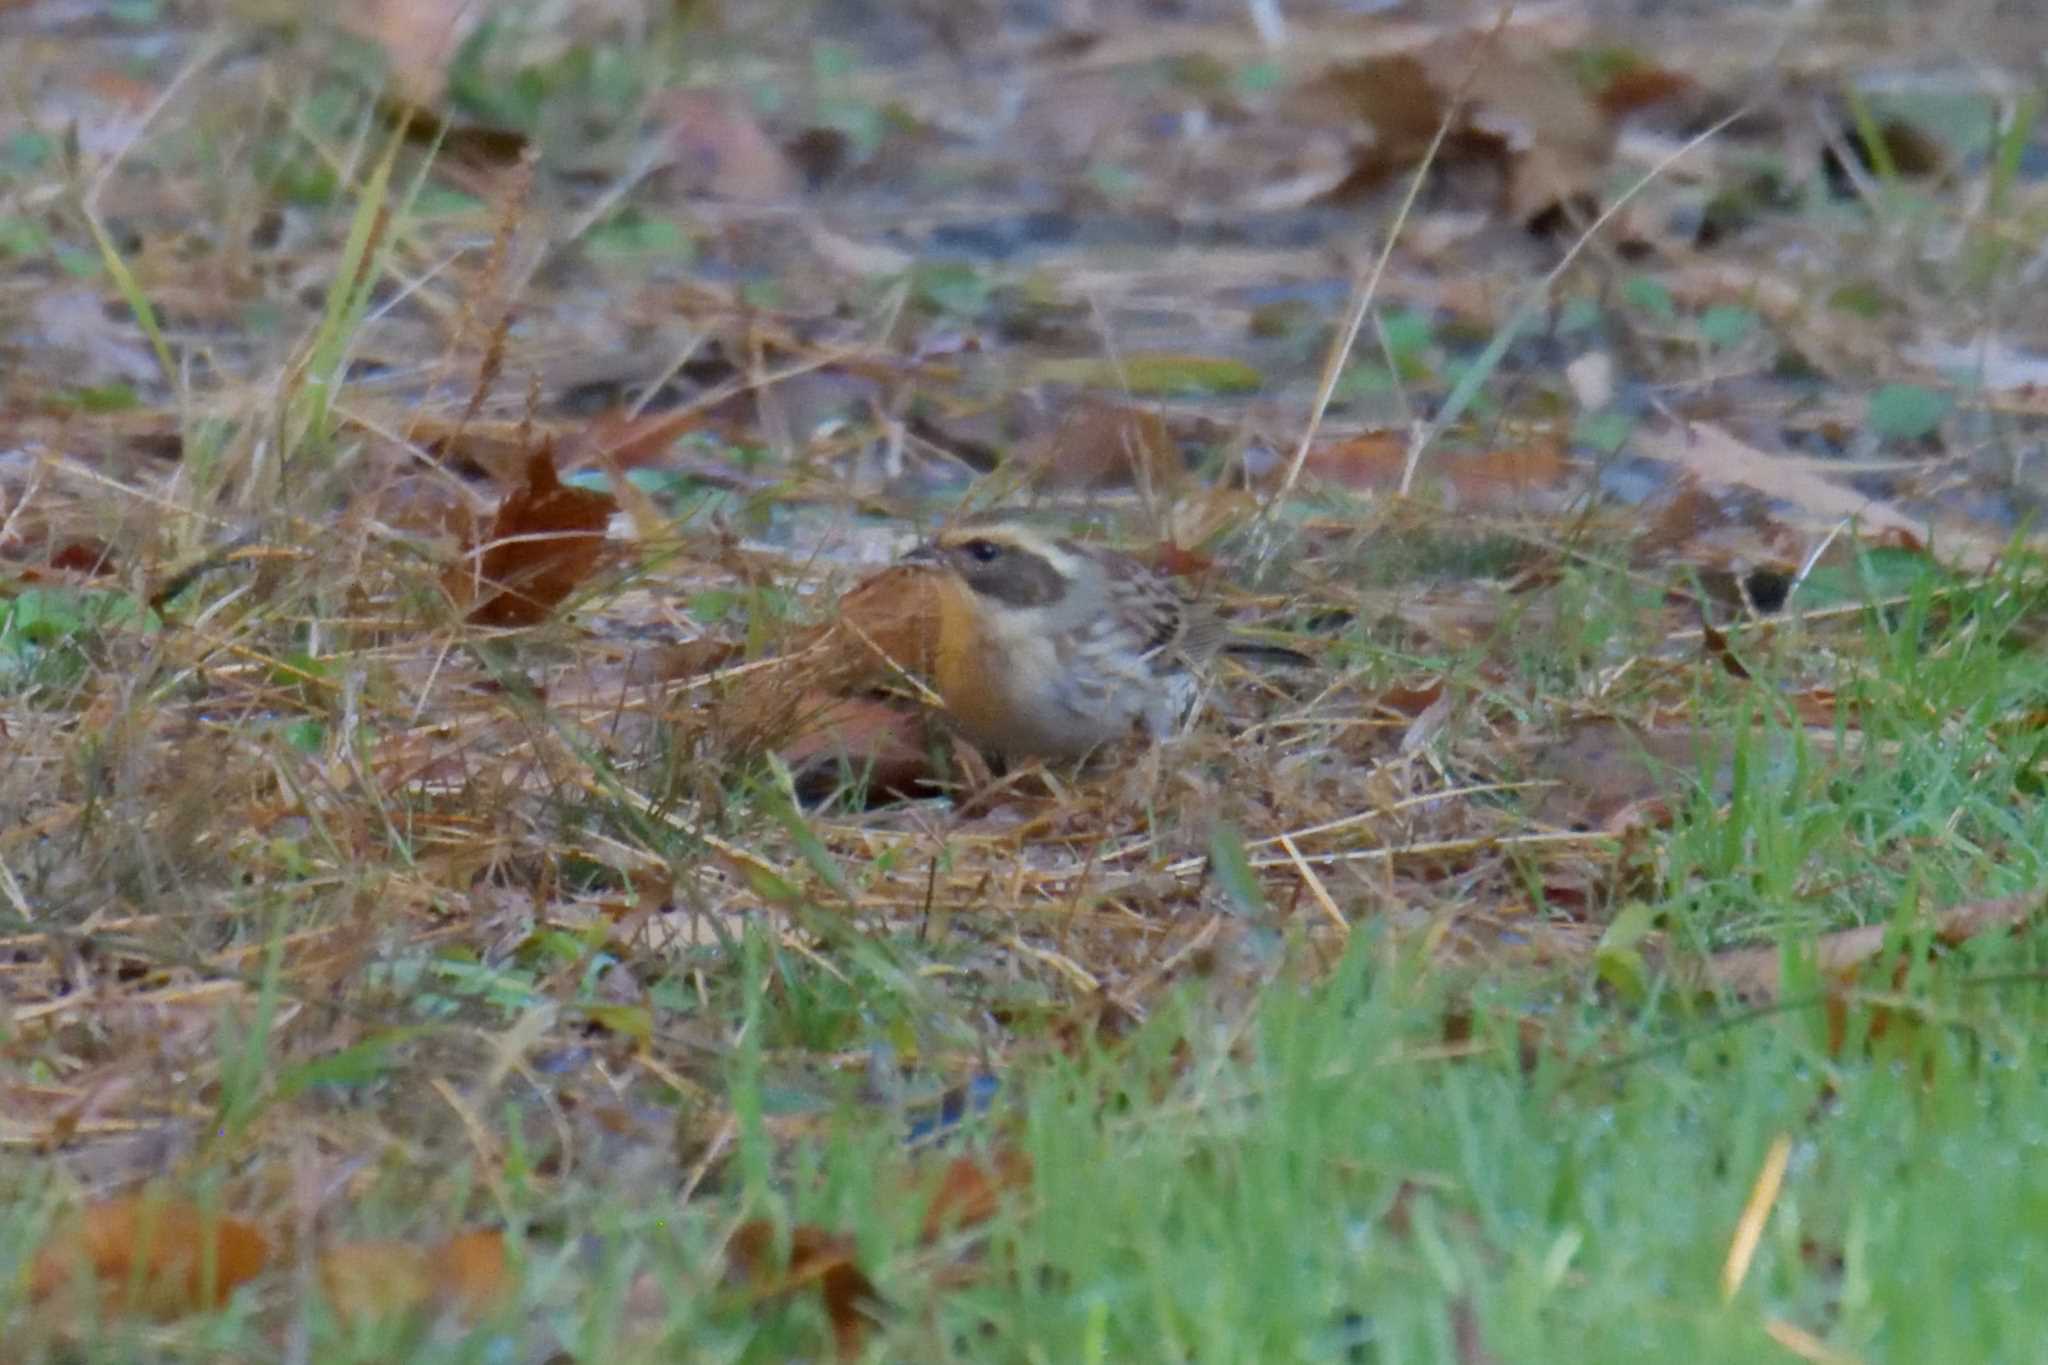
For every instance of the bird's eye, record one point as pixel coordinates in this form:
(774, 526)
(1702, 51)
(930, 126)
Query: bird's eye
(983, 551)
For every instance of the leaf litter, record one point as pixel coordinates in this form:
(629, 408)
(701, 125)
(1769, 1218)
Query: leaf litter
(340, 627)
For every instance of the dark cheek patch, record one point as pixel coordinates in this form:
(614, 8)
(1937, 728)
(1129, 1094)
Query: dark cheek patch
(1016, 579)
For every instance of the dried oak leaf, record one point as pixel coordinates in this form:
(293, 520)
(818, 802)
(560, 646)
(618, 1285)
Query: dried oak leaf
(1522, 118)
(971, 1190)
(148, 1254)
(880, 742)
(816, 1257)
(545, 540)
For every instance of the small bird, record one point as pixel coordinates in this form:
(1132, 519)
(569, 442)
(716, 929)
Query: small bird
(1050, 648)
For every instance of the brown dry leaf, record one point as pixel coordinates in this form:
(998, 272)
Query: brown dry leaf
(1555, 143)
(719, 147)
(150, 1254)
(468, 1275)
(1717, 459)
(419, 39)
(1104, 444)
(1523, 117)
(1396, 99)
(684, 659)
(971, 1190)
(545, 540)
(1408, 702)
(472, 1274)
(1373, 459)
(1602, 769)
(1756, 973)
(502, 449)
(811, 703)
(883, 743)
(815, 1257)
(86, 556)
(628, 441)
(1641, 85)
(1505, 478)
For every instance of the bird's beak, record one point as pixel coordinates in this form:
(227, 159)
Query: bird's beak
(922, 553)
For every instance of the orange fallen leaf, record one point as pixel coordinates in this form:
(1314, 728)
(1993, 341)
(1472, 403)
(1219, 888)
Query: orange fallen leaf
(629, 441)
(1373, 459)
(1502, 478)
(882, 743)
(815, 1257)
(544, 541)
(149, 1254)
(472, 1273)
(971, 1190)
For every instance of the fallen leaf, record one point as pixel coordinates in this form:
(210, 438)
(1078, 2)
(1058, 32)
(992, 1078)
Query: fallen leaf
(1756, 974)
(1100, 444)
(1504, 478)
(1523, 118)
(87, 556)
(419, 38)
(629, 441)
(1601, 769)
(1639, 85)
(1372, 459)
(1177, 561)
(1717, 459)
(815, 1257)
(859, 738)
(544, 541)
(971, 1189)
(717, 146)
(149, 1254)
(472, 1274)
(1555, 143)
(1394, 97)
